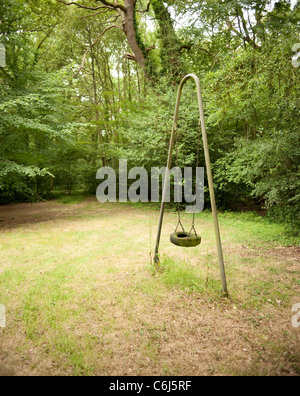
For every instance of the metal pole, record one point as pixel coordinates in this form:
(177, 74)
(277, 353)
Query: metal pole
(161, 216)
(209, 177)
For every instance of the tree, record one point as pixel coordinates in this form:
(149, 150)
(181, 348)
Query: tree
(127, 15)
(36, 120)
(125, 12)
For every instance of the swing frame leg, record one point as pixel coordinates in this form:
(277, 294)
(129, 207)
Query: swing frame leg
(156, 260)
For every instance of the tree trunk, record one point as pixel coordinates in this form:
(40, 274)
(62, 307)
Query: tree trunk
(128, 22)
(171, 45)
(97, 118)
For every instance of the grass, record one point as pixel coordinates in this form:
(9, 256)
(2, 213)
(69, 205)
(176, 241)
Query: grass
(81, 297)
(70, 199)
(177, 273)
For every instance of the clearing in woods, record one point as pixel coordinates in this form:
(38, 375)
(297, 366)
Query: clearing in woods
(81, 298)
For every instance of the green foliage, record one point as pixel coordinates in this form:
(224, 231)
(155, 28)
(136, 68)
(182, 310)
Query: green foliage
(138, 36)
(253, 99)
(173, 67)
(269, 168)
(36, 125)
(145, 130)
(17, 182)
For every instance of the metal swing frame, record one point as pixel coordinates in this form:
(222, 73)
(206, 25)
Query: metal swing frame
(209, 177)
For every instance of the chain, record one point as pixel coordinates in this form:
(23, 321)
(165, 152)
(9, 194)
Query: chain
(197, 164)
(179, 223)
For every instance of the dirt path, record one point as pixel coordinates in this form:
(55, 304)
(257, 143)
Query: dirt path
(12, 216)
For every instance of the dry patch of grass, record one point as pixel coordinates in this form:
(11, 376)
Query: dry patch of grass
(82, 299)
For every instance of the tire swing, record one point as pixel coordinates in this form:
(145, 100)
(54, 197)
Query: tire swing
(184, 238)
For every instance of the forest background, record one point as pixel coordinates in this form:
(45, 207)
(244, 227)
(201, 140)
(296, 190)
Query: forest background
(90, 82)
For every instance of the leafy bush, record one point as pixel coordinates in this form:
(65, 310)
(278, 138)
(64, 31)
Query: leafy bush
(269, 169)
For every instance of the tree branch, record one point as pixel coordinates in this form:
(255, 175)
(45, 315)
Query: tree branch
(114, 5)
(106, 9)
(150, 48)
(189, 46)
(113, 20)
(245, 38)
(146, 10)
(80, 5)
(92, 45)
(130, 57)
(36, 56)
(106, 4)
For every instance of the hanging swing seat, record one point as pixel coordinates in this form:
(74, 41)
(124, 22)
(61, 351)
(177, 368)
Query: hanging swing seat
(185, 239)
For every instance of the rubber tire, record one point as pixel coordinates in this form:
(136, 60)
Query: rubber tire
(185, 241)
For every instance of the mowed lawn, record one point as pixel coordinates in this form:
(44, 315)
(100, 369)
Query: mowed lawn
(82, 298)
